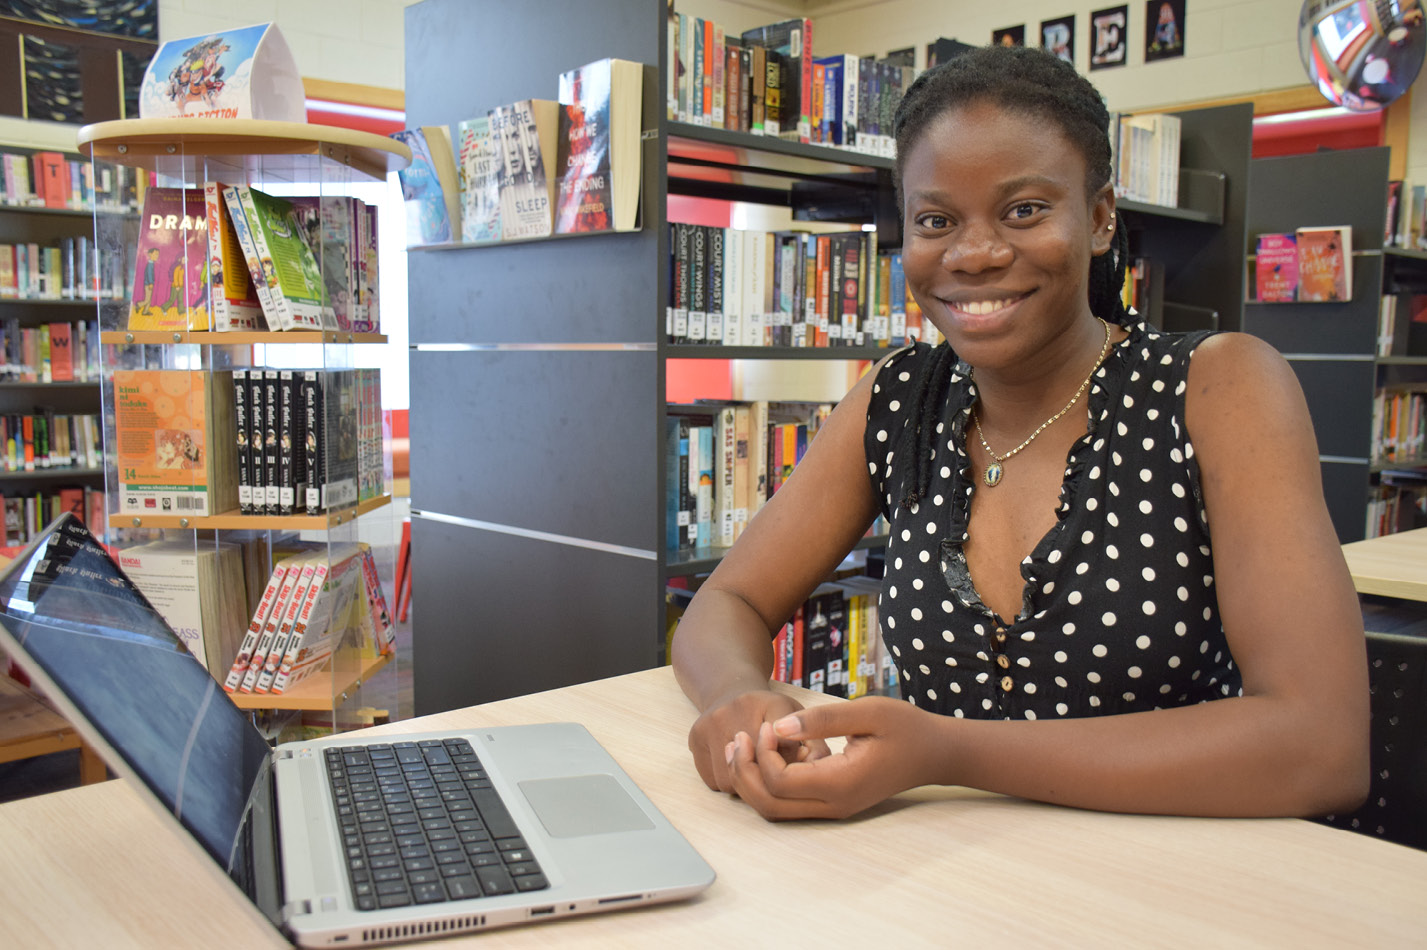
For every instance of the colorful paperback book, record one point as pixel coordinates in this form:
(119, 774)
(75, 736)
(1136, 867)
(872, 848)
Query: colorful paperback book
(1276, 268)
(174, 442)
(599, 153)
(427, 219)
(287, 265)
(480, 180)
(529, 132)
(171, 271)
(231, 292)
(1325, 263)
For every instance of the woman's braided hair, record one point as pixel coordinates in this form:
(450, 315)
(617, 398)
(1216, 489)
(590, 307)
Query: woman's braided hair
(1033, 83)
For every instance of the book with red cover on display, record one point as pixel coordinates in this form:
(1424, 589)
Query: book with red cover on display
(1276, 268)
(599, 151)
(1325, 263)
(171, 269)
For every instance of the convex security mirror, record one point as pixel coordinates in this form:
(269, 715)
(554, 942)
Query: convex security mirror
(1362, 54)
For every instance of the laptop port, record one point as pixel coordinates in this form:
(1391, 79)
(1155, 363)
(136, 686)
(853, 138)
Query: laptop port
(541, 911)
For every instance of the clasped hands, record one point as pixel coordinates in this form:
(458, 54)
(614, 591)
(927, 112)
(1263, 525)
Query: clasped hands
(772, 752)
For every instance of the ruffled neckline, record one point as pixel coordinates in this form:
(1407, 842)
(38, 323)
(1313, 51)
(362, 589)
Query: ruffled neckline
(1106, 383)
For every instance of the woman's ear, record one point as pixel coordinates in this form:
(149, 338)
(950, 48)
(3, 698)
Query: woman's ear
(1103, 221)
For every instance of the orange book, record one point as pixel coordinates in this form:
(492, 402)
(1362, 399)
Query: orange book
(708, 41)
(1325, 263)
(174, 442)
(61, 352)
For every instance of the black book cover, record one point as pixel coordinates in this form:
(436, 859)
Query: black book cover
(256, 404)
(240, 423)
(314, 439)
(272, 405)
(292, 458)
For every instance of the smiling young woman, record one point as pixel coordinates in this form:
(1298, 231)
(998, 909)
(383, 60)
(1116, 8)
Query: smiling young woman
(1065, 627)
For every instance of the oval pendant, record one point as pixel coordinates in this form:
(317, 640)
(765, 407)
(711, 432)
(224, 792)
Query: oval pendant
(993, 474)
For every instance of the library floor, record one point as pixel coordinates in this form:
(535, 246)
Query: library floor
(60, 770)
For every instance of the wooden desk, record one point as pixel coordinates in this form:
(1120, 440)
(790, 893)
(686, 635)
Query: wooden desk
(935, 867)
(1394, 565)
(28, 727)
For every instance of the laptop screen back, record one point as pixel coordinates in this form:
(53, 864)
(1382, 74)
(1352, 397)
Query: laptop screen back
(77, 618)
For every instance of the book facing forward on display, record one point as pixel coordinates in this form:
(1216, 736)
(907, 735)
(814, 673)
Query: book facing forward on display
(1325, 263)
(428, 215)
(599, 147)
(480, 180)
(174, 442)
(171, 269)
(1276, 268)
(528, 132)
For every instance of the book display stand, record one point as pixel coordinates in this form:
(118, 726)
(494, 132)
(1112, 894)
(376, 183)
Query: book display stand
(1333, 346)
(180, 421)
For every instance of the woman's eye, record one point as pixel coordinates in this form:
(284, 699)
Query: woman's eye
(934, 221)
(1024, 210)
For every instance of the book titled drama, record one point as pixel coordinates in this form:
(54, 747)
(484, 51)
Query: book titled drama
(599, 149)
(528, 132)
(1276, 268)
(1325, 263)
(171, 269)
(174, 433)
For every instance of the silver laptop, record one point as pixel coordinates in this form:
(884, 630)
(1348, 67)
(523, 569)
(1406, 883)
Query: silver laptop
(350, 840)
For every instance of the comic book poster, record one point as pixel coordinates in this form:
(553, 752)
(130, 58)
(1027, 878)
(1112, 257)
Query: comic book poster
(171, 268)
(242, 73)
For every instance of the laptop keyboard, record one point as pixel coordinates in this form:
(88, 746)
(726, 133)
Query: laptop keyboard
(421, 824)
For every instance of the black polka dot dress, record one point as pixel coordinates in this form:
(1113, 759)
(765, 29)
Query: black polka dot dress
(1119, 612)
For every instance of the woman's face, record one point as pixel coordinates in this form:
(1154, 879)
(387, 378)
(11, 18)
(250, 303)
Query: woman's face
(999, 232)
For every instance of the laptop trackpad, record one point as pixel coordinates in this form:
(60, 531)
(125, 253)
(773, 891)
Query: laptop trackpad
(584, 805)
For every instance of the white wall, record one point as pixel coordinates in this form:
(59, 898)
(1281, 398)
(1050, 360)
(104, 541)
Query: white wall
(356, 41)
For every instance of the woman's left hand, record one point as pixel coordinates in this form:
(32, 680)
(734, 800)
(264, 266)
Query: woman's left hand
(891, 747)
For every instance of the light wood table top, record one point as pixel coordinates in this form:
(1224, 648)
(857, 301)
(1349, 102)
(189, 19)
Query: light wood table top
(1394, 565)
(934, 867)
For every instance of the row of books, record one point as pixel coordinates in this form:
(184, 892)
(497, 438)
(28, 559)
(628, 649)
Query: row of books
(1399, 425)
(49, 179)
(49, 353)
(724, 461)
(230, 258)
(1313, 264)
(27, 514)
(768, 81)
(257, 441)
(45, 439)
(310, 602)
(1397, 503)
(788, 288)
(1145, 157)
(70, 269)
(535, 167)
(833, 642)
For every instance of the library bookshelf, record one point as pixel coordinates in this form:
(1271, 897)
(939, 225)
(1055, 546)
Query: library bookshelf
(184, 372)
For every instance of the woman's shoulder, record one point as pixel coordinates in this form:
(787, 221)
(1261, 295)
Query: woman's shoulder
(896, 377)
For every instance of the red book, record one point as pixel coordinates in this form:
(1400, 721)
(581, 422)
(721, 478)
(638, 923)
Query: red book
(61, 353)
(52, 179)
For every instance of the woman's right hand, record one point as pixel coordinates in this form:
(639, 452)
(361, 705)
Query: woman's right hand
(713, 732)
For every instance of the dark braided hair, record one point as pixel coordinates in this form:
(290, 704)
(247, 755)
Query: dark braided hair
(1033, 83)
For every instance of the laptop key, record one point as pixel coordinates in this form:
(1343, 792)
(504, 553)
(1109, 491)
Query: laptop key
(391, 887)
(428, 893)
(456, 869)
(383, 875)
(494, 880)
(521, 868)
(531, 882)
(462, 887)
(423, 877)
(393, 900)
(494, 814)
(366, 903)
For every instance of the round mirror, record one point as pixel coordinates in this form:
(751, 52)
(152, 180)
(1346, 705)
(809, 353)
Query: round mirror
(1360, 54)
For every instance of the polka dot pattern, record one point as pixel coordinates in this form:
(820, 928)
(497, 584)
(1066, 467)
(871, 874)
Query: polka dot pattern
(1118, 613)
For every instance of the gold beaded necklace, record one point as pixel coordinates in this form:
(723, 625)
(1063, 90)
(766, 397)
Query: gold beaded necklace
(996, 468)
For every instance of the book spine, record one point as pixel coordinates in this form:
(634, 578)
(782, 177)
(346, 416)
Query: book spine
(242, 423)
(255, 628)
(284, 631)
(302, 623)
(272, 412)
(291, 455)
(713, 284)
(270, 628)
(376, 603)
(315, 439)
(732, 287)
(725, 506)
(698, 283)
(282, 317)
